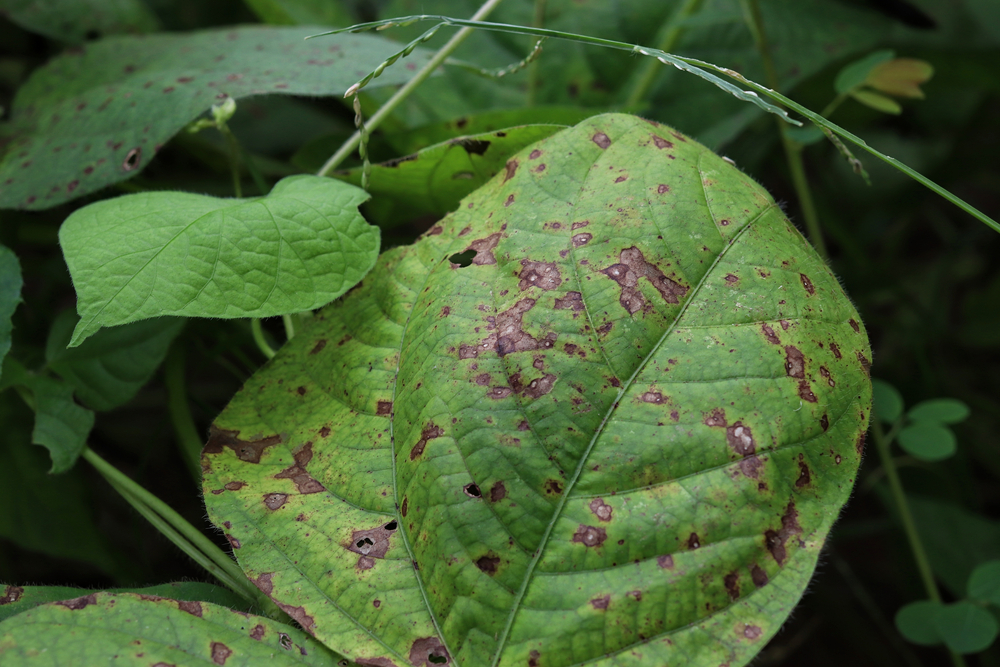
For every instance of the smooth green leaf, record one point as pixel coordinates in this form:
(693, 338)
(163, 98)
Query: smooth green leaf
(887, 402)
(928, 441)
(16, 599)
(98, 114)
(88, 630)
(984, 583)
(854, 74)
(611, 429)
(877, 101)
(61, 426)
(52, 515)
(301, 12)
(956, 540)
(966, 627)
(10, 296)
(940, 410)
(916, 622)
(74, 21)
(107, 369)
(435, 179)
(174, 253)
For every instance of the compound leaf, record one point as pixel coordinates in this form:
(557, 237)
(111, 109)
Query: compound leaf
(916, 622)
(940, 410)
(618, 435)
(966, 627)
(928, 441)
(98, 113)
(146, 629)
(175, 253)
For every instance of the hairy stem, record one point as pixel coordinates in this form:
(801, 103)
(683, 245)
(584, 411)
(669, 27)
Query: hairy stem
(180, 411)
(352, 143)
(882, 444)
(793, 151)
(667, 39)
(258, 337)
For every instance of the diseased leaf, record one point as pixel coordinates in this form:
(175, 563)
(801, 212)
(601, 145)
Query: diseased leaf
(89, 630)
(435, 179)
(107, 369)
(73, 21)
(97, 114)
(10, 296)
(618, 435)
(16, 599)
(901, 77)
(174, 253)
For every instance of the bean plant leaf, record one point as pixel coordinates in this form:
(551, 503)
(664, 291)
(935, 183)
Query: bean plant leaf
(73, 21)
(98, 113)
(10, 296)
(175, 253)
(301, 12)
(940, 410)
(618, 435)
(89, 630)
(61, 426)
(435, 179)
(928, 441)
(16, 599)
(107, 369)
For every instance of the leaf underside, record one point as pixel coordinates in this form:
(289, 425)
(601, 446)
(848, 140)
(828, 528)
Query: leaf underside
(619, 436)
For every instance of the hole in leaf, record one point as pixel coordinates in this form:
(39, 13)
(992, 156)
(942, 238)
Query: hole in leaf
(285, 641)
(132, 159)
(437, 659)
(391, 525)
(472, 491)
(463, 259)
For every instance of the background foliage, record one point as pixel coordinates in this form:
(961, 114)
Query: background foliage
(918, 270)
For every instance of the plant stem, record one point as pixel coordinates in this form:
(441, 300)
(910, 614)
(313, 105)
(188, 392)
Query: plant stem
(180, 412)
(669, 35)
(882, 444)
(793, 151)
(185, 536)
(289, 326)
(258, 337)
(355, 139)
(537, 21)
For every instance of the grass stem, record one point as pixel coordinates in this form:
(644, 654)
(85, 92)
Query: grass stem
(667, 39)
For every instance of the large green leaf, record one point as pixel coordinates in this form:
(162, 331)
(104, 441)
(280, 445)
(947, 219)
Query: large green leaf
(97, 114)
(142, 629)
(109, 368)
(433, 180)
(619, 435)
(10, 296)
(76, 20)
(175, 253)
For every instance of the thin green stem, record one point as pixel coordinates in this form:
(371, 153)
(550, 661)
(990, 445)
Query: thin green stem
(667, 39)
(234, 159)
(352, 143)
(537, 21)
(289, 326)
(180, 411)
(258, 337)
(793, 151)
(832, 106)
(882, 444)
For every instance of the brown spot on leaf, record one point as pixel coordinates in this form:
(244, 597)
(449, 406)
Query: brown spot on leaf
(488, 563)
(866, 365)
(220, 653)
(652, 397)
(484, 249)
(661, 142)
(601, 602)
(716, 417)
(446, 311)
(303, 481)
(498, 393)
(510, 337)
(429, 652)
(693, 541)
(807, 284)
(740, 439)
(540, 386)
(824, 422)
(234, 486)
(859, 444)
(383, 408)
(572, 301)
(758, 576)
(324, 432)
(770, 335)
(544, 275)
(275, 500)
(535, 154)
(511, 168)
(190, 606)
(806, 392)
(795, 362)
(601, 510)
(590, 536)
(804, 475)
(749, 466)
(430, 432)
(553, 487)
(373, 542)
(665, 562)
(751, 632)
(257, 632)
(579, 225)
(510, 200)
(775, 540)
(11, 594)
(233, 542)
(472, 146)
(601, 140)
(583, 238)
(835, 350)
(375, 662)
(498, 492)
(78, 603)
(404, 506)
(854, 325)
(632, 267)
(364, 563)
(732, 583)
(662, 188)
(246, 450)
(318, 347)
